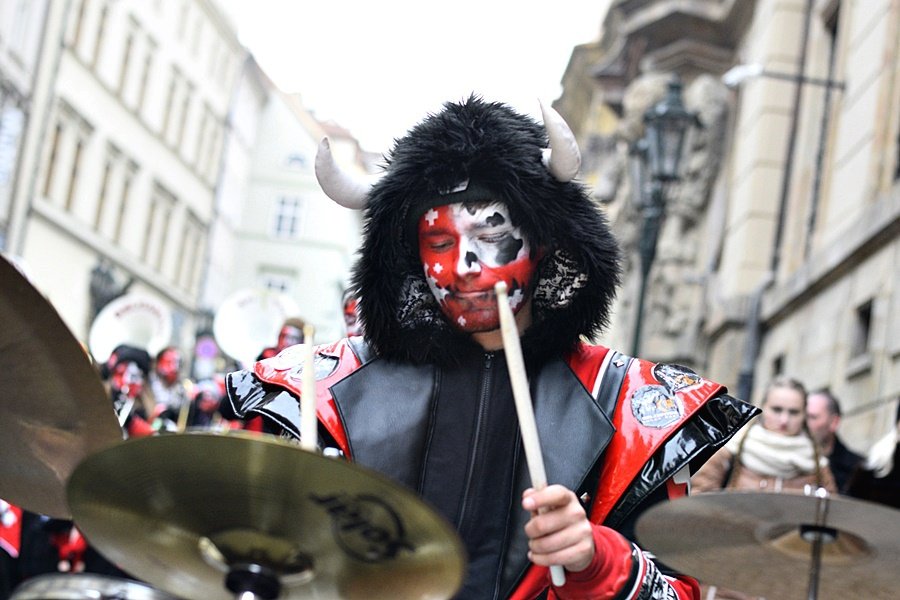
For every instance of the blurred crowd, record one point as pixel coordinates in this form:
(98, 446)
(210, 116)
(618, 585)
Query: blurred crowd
(151, 395)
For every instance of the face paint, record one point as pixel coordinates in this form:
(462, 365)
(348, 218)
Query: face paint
(206, 402)
(168, 366)
(465, 250)
(289, 336)
(128, 379)
(351, 318)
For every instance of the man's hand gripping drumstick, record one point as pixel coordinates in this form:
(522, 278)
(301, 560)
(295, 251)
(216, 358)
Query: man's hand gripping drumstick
(559, 533)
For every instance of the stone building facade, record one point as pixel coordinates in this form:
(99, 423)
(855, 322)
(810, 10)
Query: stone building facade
(779, 249)
(22, 26)
(121, 164)
(153, 155)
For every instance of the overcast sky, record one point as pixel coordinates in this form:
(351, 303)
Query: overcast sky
(377, 68)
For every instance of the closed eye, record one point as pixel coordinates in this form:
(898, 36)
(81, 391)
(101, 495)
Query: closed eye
(440, 243)
(493, 238)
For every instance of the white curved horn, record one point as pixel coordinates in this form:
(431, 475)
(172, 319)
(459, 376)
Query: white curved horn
(340, 186)
(562, 158)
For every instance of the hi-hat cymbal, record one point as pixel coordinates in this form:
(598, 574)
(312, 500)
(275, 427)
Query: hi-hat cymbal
(759, 543)
(181, 512)
(53, 408)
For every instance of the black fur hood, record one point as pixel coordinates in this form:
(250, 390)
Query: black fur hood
(498, 153)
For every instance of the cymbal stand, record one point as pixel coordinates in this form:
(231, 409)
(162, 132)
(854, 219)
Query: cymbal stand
(817, 534)
(251, 581)
(256, 565)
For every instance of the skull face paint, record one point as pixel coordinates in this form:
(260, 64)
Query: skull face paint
(465, 250)
(128, 378)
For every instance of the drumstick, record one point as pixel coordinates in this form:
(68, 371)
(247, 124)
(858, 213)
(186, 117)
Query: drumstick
(522, 395)
(185, 409)
(308, 421)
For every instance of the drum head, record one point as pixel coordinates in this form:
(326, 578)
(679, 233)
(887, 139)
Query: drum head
(85, 586)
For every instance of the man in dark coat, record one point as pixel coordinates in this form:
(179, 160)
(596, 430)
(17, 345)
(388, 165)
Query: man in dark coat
(823, 417)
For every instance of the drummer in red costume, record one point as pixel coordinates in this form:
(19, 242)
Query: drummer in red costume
(472, 196)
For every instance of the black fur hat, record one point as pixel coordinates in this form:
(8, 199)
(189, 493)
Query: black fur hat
(494, 153)
(123, 353)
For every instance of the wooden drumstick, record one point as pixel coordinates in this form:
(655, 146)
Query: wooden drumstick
(185, 409)
(522, 395)
(309, 423)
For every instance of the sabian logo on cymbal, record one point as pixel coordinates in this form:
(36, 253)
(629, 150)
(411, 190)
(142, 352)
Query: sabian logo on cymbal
(365, 526)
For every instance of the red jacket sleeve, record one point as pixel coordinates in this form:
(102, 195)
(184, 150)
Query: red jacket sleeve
(620, 570)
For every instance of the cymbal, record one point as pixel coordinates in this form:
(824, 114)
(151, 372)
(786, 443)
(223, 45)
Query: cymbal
(752, 542)
(184, 512)
(61, 586)
(53, 408)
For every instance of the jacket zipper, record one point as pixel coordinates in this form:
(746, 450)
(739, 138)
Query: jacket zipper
(484, 393)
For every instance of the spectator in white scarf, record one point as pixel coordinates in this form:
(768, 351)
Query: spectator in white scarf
(774, 454)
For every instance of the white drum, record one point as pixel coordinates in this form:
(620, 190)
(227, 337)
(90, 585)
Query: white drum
(85, 586)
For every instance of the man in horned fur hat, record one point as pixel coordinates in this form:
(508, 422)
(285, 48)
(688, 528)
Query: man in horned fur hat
(472, 196)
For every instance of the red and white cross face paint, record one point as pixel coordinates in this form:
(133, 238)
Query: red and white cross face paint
(289, 336)
(465, 250)
(128, 378)
(168, 366)
(352, 322)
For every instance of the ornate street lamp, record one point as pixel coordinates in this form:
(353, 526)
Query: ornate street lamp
(657, 157)
(666, 124)
(104, 287)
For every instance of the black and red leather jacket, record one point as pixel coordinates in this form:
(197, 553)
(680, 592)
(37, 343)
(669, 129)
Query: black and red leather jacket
(620, 432)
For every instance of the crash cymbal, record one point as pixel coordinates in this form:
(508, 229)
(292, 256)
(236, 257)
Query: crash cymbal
(186, 512)
(761, 543)
(53, 408)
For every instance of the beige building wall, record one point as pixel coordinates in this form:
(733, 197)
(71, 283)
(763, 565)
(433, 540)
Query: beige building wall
(832, 311)
(126, 154)
(823, 305)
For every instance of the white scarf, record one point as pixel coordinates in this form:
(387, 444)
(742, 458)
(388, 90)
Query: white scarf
(881, 455)
(774, 454)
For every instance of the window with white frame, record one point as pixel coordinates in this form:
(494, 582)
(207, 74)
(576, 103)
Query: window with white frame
(289, 216)
(125, 201)
(146, 69)
(191, 255)
(114, 196)
(100, 34)
(277, 280)
(62, 163)
(178, 102)
(12, 120)
(112, 160)
(862, 329)
(127, 53)
(296, 161)
(162, 204)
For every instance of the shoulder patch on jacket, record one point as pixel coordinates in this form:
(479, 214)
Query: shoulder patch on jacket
(655, 406)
